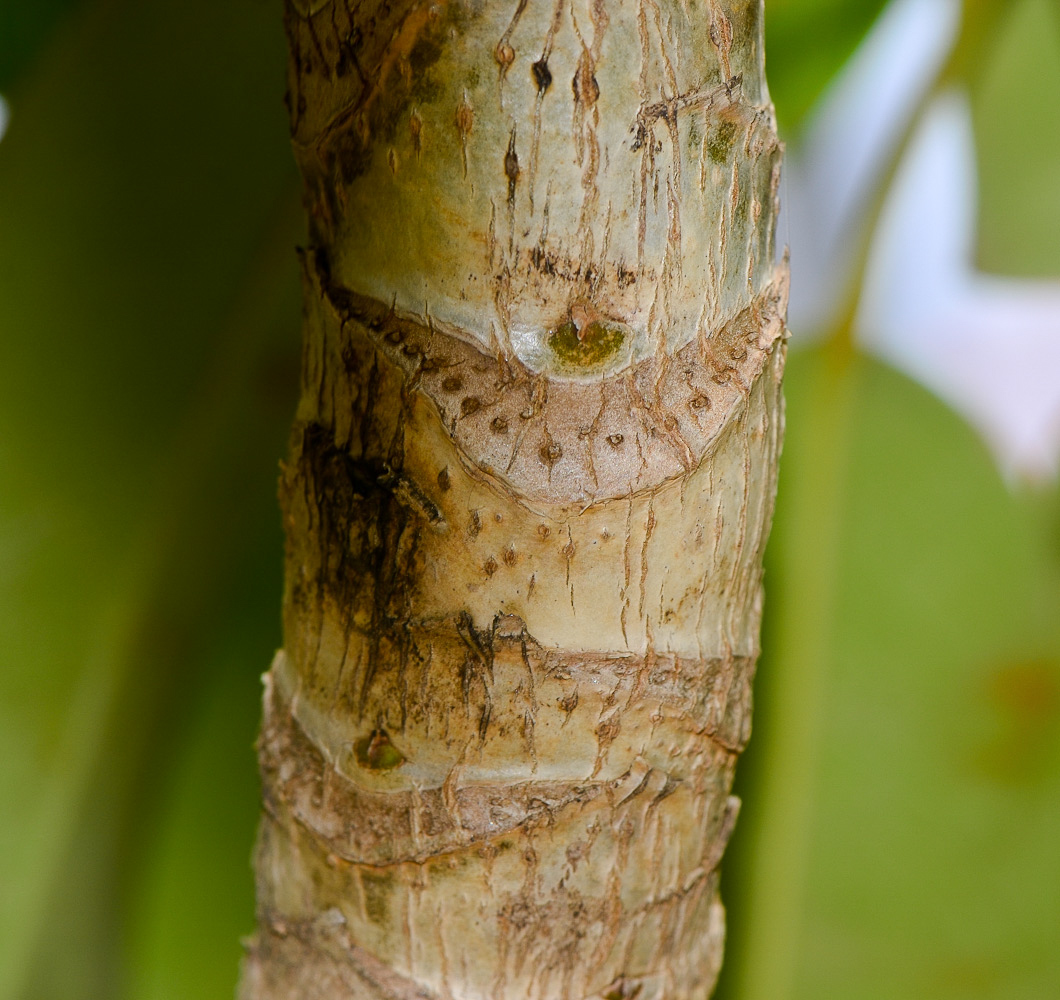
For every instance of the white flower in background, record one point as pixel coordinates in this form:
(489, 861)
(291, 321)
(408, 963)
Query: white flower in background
(830, 174)
(989, 346)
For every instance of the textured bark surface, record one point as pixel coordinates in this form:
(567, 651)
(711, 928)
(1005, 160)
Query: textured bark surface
(530, 481)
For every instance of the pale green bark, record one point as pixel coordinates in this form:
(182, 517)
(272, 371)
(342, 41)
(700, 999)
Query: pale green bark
(531, 478)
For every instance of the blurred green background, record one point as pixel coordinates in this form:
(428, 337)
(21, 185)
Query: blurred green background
(901, 830)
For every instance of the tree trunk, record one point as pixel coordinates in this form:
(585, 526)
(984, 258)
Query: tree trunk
(530, 481)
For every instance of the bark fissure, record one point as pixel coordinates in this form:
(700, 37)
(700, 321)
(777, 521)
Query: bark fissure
(530, 480)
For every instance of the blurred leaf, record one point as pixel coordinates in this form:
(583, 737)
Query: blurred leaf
(807, 41)
(148, 296)
(24, 29)
(196, 899)
(902, 791)
(1015, 89)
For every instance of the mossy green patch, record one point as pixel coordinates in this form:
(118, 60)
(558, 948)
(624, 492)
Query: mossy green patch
(720, 140)
(592, 347)
(377, 888)
(377, 753)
